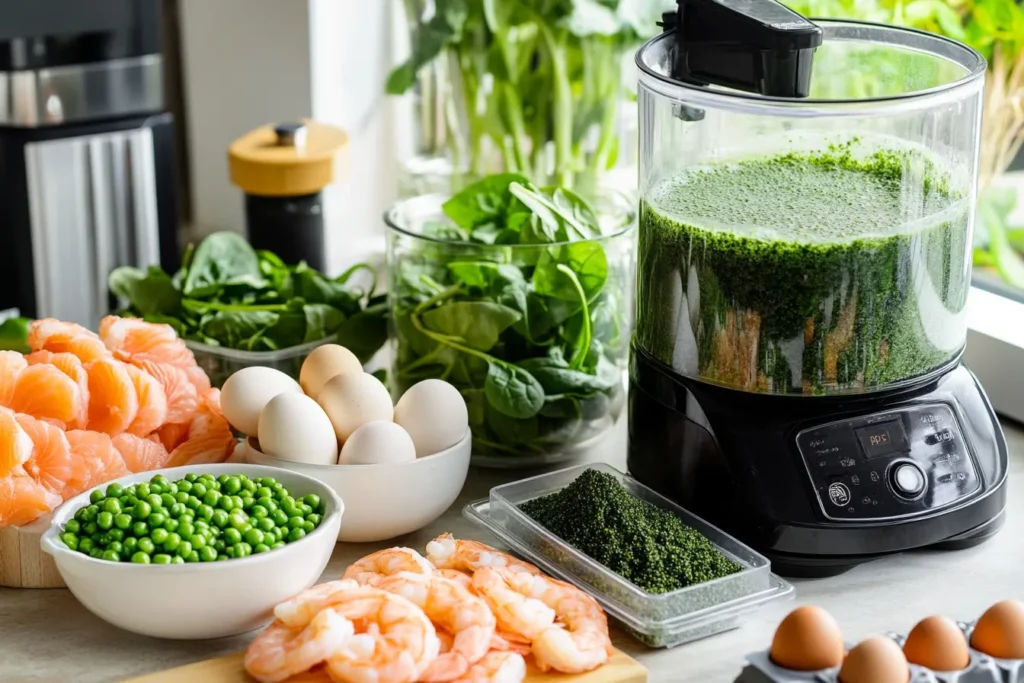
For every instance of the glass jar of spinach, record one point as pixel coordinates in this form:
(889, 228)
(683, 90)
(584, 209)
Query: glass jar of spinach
(521, 298)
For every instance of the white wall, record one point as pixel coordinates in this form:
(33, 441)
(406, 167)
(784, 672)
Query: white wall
(248, 63)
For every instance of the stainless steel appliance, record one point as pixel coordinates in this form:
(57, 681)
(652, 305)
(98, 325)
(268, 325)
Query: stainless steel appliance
(86, 152)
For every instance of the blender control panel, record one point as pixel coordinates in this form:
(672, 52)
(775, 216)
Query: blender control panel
(894, 464)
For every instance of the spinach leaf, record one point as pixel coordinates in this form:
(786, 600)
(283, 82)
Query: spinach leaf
(509, 429)
(150, 292)
(563, 380)
(236, 327)
(432, 36)
(219, 258)
(586, 259)
(478, 324)
(483, 204)
(512, 390)
(321, 321)
(366, 332)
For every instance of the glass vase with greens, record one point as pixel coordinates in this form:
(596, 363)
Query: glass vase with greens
(518, 296)
(996, 29)
(521, 86)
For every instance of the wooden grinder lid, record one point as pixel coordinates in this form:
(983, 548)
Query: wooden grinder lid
(286, 159)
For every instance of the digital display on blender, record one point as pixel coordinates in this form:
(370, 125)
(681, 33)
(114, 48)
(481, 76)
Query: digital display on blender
(882, 438)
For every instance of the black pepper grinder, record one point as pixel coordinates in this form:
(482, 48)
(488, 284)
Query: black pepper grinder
(283, 170)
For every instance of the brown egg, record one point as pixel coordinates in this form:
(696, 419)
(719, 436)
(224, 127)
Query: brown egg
(937, 643)
(875, 660)
(1000, 631)
(808, 639)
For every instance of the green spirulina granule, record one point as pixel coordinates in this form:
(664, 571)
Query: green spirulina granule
(635, 539)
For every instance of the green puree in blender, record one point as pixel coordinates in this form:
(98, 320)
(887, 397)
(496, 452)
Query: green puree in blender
(804, 274)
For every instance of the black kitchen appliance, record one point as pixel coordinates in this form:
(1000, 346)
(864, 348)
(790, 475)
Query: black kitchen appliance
(795, 376)
(86, 153)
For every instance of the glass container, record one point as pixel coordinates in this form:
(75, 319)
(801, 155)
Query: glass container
(479, 316)
(817, 245)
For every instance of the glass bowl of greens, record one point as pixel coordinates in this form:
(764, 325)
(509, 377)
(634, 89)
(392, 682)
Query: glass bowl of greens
(520, 297)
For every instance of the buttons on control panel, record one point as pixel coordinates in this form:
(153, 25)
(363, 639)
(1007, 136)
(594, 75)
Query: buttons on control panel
(897, 463)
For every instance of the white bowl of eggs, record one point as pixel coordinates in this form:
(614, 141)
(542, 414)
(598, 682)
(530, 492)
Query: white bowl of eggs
(397, 467)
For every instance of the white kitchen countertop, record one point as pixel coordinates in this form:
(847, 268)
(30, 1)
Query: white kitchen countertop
(45, 635)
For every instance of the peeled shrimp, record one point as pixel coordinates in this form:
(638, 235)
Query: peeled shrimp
(300, 609)
(518, 614)
(497, 667)
(579, 641)
(388, 562)
(465, 579)
(281, 652)
(454, 609)
(394, 641)
(448, 552)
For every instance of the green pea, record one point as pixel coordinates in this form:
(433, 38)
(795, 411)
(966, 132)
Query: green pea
(73, 526)
(130, 490)
(184, 549)
(193, 556)
(280, 532)
(239, 521)
(205, 512)
(231, 485)
(116, 546)
(116, 534)
(263, 492)
(99, 538)
(167, 500)
(157, 519)
(272, 506)
(296, 522)
(243, 549)
(131, 544)
(171, 525)
(200, 490)
(96, 496)
(159, 479)
(226, 503)
(146, 545)
(322, 508)
(198, 541)
(177, 510)
(312, 500)
(193, 503)
(232, 536)
(140, 557)
(266, 524)
(231, 551)
(190, 477)
(207, 554)
(125, 501)
(237, 503)
(156, 501)
(247, 502)
(171, 488)
(248, 484)
(90, 528)
(161, 558)
(261, 548)
(85, 545)
(173, 542)
(123, 521)
(308, 526)
(184, 486)
(142, 490)
(159, 535)
(314, 518)
(70, 540)
(96, 553)
(91, 512)
(221, 558)
(104, 520)
(280, 517)
(111, 556)
(253, 537)
(305, 509)
(220, 518)
(80, 514)
(142, 510)
(275, 546)
(295, 534)
(140, 529)
(258, 511)
(185, 530)
(115, 490)
(182, 497)
(156, 489)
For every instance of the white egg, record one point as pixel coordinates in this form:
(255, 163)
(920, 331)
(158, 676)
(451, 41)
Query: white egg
(434, 413)
(246, 392)
(325, 362)
(294, 427)
(377, 442)
(352, 400)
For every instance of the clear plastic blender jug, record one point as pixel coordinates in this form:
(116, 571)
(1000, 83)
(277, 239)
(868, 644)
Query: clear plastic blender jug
(807, 245)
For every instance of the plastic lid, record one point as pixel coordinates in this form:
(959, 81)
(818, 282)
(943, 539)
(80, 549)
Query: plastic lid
(288, 159)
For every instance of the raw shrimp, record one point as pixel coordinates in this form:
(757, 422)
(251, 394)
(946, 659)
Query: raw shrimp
(448, 552)
(394, 641)
(497, 667)
(387, 562)
(464, 579)
(516, 613)
(281, 652)
(579, 641)
(452, 608)
(299, 610)
(504, 641)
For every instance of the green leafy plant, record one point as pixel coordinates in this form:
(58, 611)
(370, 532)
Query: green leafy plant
(14, 335)
(229, 295)
(516, 302)
(528, 79)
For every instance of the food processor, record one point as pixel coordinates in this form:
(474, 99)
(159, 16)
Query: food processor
(804, 262)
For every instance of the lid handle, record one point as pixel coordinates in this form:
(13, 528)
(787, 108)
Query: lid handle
(291, 134)
(758, 46)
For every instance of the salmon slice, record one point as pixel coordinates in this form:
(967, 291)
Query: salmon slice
(11, 365)
(43, 391)
(182, 398)
(209, 440)
(113, 403)
(152, 402)
(140, 454)
(70, 365)
(50, 463)
(22, 500)
(97, 450)
(61, 337)
(134, 339)
(172, 435)
(15, 444)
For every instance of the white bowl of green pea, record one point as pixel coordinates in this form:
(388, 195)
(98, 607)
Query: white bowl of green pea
(198, 566)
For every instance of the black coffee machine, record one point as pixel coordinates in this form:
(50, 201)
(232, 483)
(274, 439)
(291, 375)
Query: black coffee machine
(86, 153)
(805, 393)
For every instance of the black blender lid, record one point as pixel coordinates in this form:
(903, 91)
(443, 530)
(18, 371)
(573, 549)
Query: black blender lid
(758, 46)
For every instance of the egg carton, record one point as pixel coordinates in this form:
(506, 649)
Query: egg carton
(982, 668)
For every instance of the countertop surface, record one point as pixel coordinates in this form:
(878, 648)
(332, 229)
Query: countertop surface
(45, 635)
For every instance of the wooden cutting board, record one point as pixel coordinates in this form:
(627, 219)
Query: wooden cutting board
(621, 668)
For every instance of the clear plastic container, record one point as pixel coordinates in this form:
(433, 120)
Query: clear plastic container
(220, 362)
(658, 620)
(817, 245)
